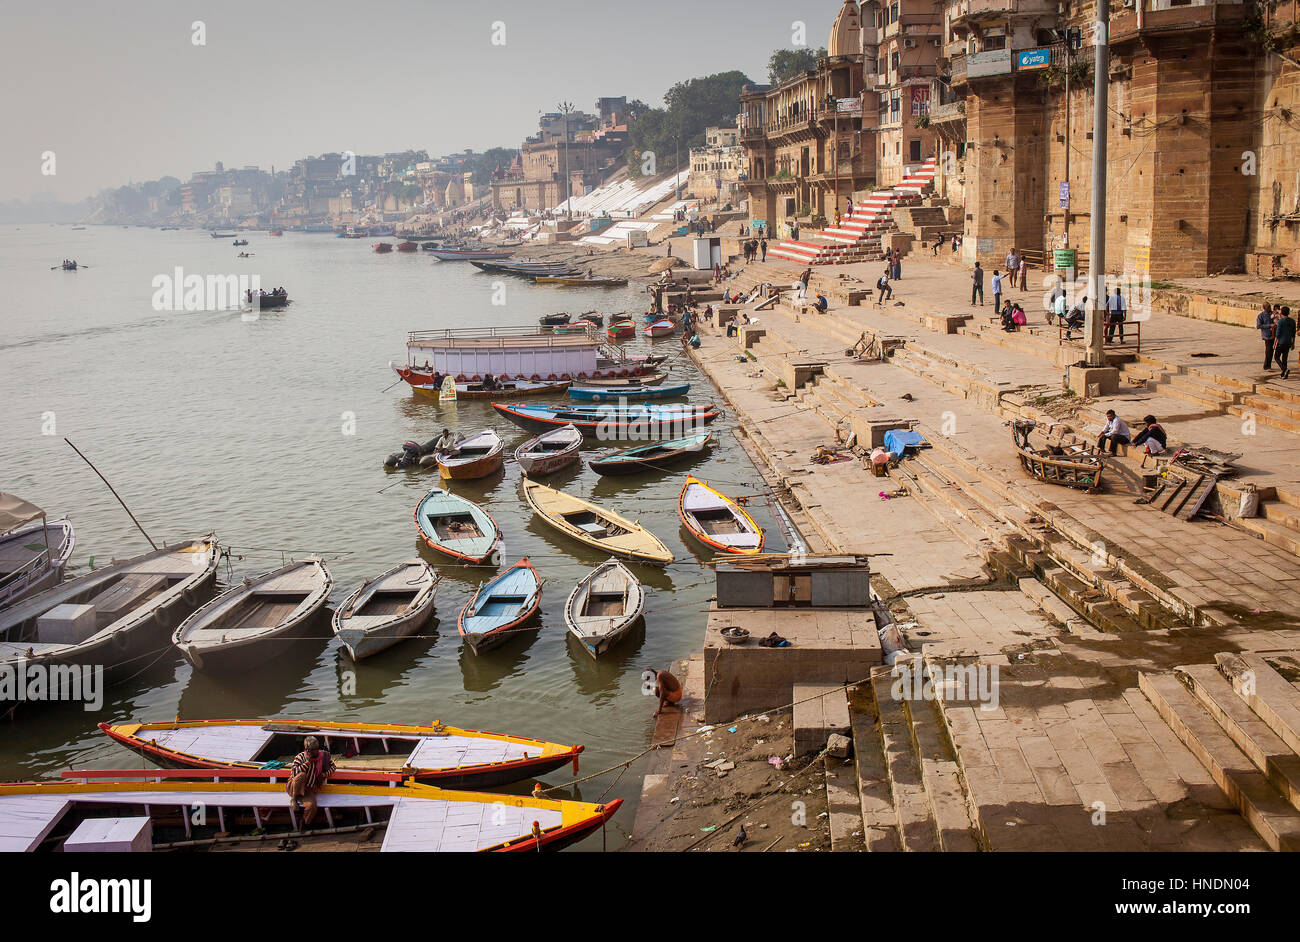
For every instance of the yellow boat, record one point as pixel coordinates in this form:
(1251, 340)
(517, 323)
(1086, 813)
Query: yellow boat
(432, 755)
(595, 526)
(718, 521)
(245, 808)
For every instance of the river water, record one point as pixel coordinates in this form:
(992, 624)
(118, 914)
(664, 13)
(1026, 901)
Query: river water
(271, 433)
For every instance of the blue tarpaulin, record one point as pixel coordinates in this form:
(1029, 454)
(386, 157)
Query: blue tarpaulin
(900, 439)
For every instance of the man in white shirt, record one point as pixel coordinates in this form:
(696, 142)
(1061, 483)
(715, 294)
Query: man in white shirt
(1116, 432)
(997, 290)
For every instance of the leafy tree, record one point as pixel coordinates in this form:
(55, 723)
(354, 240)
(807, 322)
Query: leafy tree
(786, 63)
(690, 107)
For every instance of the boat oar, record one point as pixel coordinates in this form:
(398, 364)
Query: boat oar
(115, 494)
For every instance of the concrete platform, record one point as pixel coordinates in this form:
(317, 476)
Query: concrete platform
(827, 646)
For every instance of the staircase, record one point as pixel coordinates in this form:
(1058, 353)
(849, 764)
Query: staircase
(857, 238)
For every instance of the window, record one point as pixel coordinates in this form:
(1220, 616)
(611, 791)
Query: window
(893, 61)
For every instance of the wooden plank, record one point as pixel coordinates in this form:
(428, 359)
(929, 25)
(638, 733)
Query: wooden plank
(1178, 487)
(1196, 503)
(1184, 496)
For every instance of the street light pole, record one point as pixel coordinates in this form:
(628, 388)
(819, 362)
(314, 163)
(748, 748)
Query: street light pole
(566, 107)
(1097, 222)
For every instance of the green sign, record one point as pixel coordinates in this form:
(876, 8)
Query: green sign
(1064, 258)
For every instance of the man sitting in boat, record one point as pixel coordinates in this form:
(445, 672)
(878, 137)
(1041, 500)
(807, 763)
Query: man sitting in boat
(490, 382)
(667, 688)
(446, 442)
(311, 768)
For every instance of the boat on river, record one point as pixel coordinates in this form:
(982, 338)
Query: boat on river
(97, 810)
(457, 527)
(457, 255)
(595, 526)
(33, 556)
(255, 620)
(386, 609)
(604, 606)
(617, 421)
(717, 521)
(549, 452)
(659, 328)
(509, 388)
(475, 456)
(383, 248)
(615, 393)
(431, 755)
(656, 456)
(620, 330)
(501, 608)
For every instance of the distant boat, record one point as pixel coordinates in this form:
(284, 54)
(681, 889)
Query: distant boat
(431, 755)
(386, 609)
(240, 242)
(32, 558)
(620, 329)
(717, 520)
(646, 377)
(453, 255)
(549, 452)
(277, 232)
(618, 422)
(604, 606)
(553, 320)
(613, 394)
(579, 281)
(242, 627)
(654, 457)
(456, 527)
(224, 235)
(659, 329)
(382, 247)
(476, 456)
(595, 526)
(573, 328)
(500, 390)
(407, 247)
(500, 609)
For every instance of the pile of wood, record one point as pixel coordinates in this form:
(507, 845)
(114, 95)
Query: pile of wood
(1182, 491)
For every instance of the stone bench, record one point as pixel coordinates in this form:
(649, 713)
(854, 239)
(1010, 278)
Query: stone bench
(819, 711)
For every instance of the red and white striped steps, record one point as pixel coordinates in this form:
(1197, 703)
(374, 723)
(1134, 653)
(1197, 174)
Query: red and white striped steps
(855, 238)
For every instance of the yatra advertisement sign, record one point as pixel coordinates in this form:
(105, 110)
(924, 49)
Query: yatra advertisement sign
(993, 62)
(1031, 59)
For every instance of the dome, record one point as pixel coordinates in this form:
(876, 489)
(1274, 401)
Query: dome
(846, 31)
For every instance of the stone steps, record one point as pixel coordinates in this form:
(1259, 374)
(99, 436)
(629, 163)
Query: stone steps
(1198, 718)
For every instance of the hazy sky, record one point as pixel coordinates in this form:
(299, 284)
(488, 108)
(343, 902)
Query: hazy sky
(119, 92)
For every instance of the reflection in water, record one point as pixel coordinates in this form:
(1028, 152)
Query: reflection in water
(486, 671)
(601, 677)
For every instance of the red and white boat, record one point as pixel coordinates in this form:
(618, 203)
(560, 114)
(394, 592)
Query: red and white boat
(659, 329)
(408, 246)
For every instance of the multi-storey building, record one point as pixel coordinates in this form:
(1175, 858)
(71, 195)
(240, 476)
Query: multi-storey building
(809, 141)
(716, 169)
(908, 51)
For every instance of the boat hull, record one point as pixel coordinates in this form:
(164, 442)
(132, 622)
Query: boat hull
(497, 635)
(614, 393)
(361, 642)
(537, 463)
(692, 520)
(662, 457)
(551, 506)
(614, 426)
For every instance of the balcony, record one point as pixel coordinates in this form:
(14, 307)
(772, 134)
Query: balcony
(1156, 17)
(968, 11)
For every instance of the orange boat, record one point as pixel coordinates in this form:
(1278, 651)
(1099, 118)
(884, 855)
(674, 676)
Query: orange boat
(717, 521)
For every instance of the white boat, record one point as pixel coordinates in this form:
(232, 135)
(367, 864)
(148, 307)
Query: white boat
(386, 609)
(244, 626)
(32, 558)
(549, 452)
(113, 616)
(604, 606)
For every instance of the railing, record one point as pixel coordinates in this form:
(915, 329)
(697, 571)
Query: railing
(1133, 328)
(534, 335)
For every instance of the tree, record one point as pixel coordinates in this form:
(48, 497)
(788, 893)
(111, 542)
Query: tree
(690, 107)
(786, 63)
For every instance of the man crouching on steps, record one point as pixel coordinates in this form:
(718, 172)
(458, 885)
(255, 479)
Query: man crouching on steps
(666, 687)
(311, 768)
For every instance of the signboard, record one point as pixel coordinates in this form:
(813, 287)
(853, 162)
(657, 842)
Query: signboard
(984, 246)
(920, 100)
(993, 62)
(848, 105)
(1029, 59)
(1065, 194)
(1064, 258)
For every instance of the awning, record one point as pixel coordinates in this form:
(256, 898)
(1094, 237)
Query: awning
(14, 512)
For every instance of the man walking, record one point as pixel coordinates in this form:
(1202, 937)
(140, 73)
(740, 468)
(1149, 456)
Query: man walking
(886, 291)
(996, 285)
(1284, 340)
(1115, 309)
(803, 283)
(1264, 323)
(977, 285)
(763, 245)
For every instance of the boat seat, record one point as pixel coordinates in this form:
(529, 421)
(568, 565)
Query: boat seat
(125, 594)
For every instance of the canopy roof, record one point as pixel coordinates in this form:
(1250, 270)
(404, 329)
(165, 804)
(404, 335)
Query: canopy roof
(14, 512)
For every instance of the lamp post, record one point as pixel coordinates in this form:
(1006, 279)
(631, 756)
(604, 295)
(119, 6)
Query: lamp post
(566, 107)
(1097, 223)
(835, 143)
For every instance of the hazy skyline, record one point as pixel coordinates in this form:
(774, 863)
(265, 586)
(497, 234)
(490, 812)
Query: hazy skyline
(120, 93)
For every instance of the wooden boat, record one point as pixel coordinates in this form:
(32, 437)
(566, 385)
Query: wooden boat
(455, 255)
(604, 606)
(1078, 466)
(553, 320)
(580, 281)
(613, 421)
(277, 232)
(595, 526)
(268, 301)
(594, 317)
(717, 521)
(111, 616)
(244, 806)
(614, 393)
(386, 609)
(33, 557)
(224, 235)
(382, 247)
(431, 755)
(653, 457)
(620, 329)
(500, 389)
(457, 527)
(501, 608)
(574, 327)
(408, 246)
(256, 619)
(240, 242)
(476, 456)
(549, 452)
(659, 329)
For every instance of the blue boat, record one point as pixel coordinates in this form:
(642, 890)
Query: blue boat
(500, 608)
(615, 393)
(457, 527)
(653, 457)
(643, 420)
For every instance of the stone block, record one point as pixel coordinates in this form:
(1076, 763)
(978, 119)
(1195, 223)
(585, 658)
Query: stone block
(1105, 379)
(839, 746)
